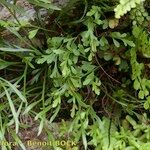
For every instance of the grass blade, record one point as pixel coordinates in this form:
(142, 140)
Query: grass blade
(12, 107)
(15, 90)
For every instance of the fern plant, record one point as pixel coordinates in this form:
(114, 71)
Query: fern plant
(78, 76)
(141, 83)
(125, 6)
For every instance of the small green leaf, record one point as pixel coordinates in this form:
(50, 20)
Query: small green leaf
(103, 41)
(75, 82)
(84, 140)
(46, 58)
(146, 105)
(136, 85)
(146, 92)
(136, 31)
(113, 23)
(95, 87)
(56, 102)
(88, 79)
(32, 33)
(141, 94)
(55, 114)
(117, 44)
(127, 42)
(73, 110)
(108, 56)
(58, 51)
(117, 60)
(41, 125)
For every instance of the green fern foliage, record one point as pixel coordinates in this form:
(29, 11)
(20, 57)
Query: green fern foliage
(125, 6)
(79, 68)
(141, 82)
(142, 41)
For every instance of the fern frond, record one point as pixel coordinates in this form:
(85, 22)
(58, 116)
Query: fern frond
(126, 5)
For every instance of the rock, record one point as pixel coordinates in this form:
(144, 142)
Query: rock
(25, 11)
(60, 3)
(29, 12)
